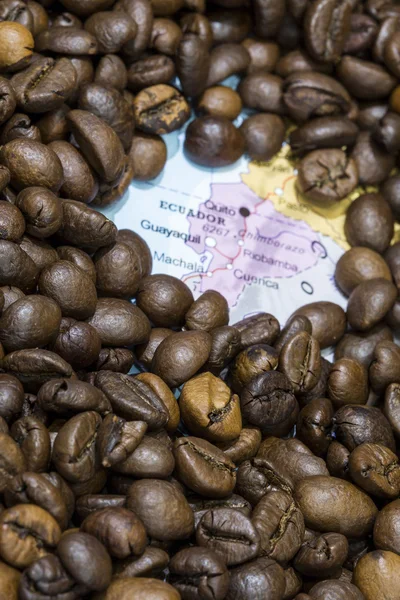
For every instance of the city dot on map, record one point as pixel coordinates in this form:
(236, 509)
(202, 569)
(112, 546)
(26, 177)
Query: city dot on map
(210, 242)
(240, 243)
(229, 266)
(209, 274)
(244, 211)
(278, 191)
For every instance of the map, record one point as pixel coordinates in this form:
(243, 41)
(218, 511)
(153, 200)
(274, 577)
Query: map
(243, 230)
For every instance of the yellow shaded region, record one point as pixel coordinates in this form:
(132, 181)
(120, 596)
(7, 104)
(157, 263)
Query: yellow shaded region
(276, 181)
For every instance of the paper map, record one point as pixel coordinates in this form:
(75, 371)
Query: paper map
(242, 230)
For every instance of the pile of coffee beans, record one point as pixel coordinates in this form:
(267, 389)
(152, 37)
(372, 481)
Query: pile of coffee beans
(237, 463)
(87, 87)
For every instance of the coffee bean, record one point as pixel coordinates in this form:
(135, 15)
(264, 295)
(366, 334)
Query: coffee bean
(18, 45)
(213, 142)
(376, 470)
(355, 425)
(300, 361)
(251, 362)
(314, 425)
(328, 321)
(386, 527)
(196, 572)
(348, 383)
(362, 34)
(326, 28)
(226, 60)
(264, 135)
(368, 574)
(160, 109)
(12, 460)
(263, 54)
(225, 344)
(363, 314)
(141, 588)
(324, 132)
(244, 447)
(366, 149)
(364, 79)
(267, 577)
(111, 71)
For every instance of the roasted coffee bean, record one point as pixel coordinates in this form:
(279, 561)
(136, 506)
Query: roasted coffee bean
(263, 92)
(42, 211)
(261, 328)
(160, 109)
(119, 529)
(300, 361)
(20, 126)
(11, 396)
(357, 265)
(18, 46)
(362, 35)
(327, 176)
(165, 36)
(17, 269)
(67, 40)
(198, 572)
(53, 125)
(369, 223)
(326, 27)
(175, 365)
(12, 223)
(10, 581)
(324, 132)
(309, 95)
(226, 60)
(294, 325)
(204, 468)
(213, 142)
(219, 101)
(266, 575)
(151, 459)
(119, 360)
(119, 322)
(150, 71)
(360, 346)
(264, 135)
(77, 343)
(45, 85)
(251, 362)
(39, 251)
(164, 299)
(376, 470)
(32, 164)
(390, 193)
(366, 150)
(33, 438)
(201, 505)
(364, 79)
(376, 574)
(33, 367)
(348, 383)
(27, 533)
(145, 352)
(162, 508)
(355, 425)
(314, 425)
(230, 534)
(386, 527)
(118, 438)
(209, 408)
(148, 154)
(387, 132)
(98, 142)
(141, 588)
(111, 71)
(351, 511)
(337, 460)
(77, 548)
(369, 302)
(112, 30)
(86, 505)
(80, 182)
(8, 101)
(152, 562)
(45, 572)
(280, 525)
(391, 407)
(12, 461)
(225, 344)
(268, 17)
(322, 555)
(263, 55)
(244, 447)
(298, 61)
(65, 396)
(118, 271)
(385, 368)
(229, 25)
(209, 311)
(328, 321)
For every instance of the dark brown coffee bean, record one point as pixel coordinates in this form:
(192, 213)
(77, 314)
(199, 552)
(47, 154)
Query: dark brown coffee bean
(162, 508)
(118, 271)
(160, 109)
(226, 60)
(148, 155)
(11, 397)
(112, 30)
(67, 40)
(213, 142)
(390, 193)
(84, 73)
(164, 299)
(32, 164)
(145, 352)
(111, 71)
(385, 368)
(326, 27)
(31, 322)
(252, 361)
(42, 211)
(322, 555)
(309, 95)
(33, 438)
(369, 222)
(159, 387)
(28, 533)
(324, 132)
(280, 525)
(40, 252)
(192, 64)
(16, 267)
(45, 85)
(244, 447)
(12, 461)
(77, 343)
(263, 92)
(132, 399)
(150, 71)
(141, 248)
(267, 577)
(229, 25)
(263, 55)
(118, 438)
(341, 589)
(8, 101)
(10, 294)
(391, 407)
(204, 468)
(151, 458)
(198, 572)
(20, 126)
(327, 176)
(365, 80)
(99, 143)
(180, 356)
(86, 505)
(298, 61)
(79, 180)
(381, 162)
(351, 511)
(76, 548)
(328, 321)
(225, 345)
(83, 226)
(386, 527)
(209, 409)
(74, 451)
(199, 25)
(44, 572)
(141, 11)
(230, 534)
(65, 397)
(209, 311)
(358, 265)
(268, 17)
(369, 302)
(219, 101)
(165, 36)
(119, 529)
(314, 425)
(348, 383)
(52, 125)
(337, 460)
(376, 470)
(119, 322)
(387, 132)
(362, 34)
(294, 325)
(360, 346)
(201, 505)
(264, 135)
(261, 328)
(300, 361)
(355, 425)
(12, 223)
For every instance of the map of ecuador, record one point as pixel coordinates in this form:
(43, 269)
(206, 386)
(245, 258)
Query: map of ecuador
(262, 233)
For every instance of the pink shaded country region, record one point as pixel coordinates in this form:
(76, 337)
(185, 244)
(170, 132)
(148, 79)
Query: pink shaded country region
(248, 240)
